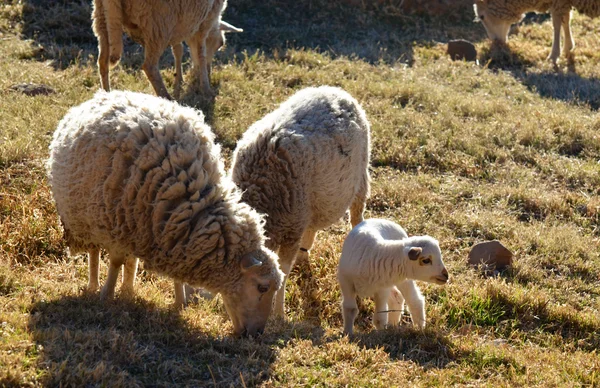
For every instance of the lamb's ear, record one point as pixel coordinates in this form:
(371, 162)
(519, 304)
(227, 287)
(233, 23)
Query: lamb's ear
(248, 262)
(226, 27)
(414, 253)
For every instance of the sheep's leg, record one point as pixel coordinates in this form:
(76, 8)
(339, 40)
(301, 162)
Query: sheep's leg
(556, 23)
(349, 305)
(150, 67)
(93, 264)
(415, 302)
(180, 300)
(178, 54)
(287, 257)
(308, 238)
(101, 32)
(198, 53)
(358, 204)
(114, 265)
(114, 23)
(569, 42)
(395, 303)
(380, 316)
(129, 272)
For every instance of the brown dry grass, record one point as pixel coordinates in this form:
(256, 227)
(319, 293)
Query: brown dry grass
(507, 150)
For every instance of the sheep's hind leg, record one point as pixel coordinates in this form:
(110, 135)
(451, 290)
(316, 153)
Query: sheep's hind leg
(180, 300)
(395, 306)
(569, 44)
(129, 272)
(93, 264)
(101, 31)
(415, 302)
(178, 54)
(358, 203)
(556, 23)
(380, 316)
(114, 265)
(150, 67)
(308, 238)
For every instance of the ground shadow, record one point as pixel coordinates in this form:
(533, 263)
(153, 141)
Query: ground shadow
(84, 341)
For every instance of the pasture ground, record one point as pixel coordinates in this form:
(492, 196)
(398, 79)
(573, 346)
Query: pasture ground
(508, 150)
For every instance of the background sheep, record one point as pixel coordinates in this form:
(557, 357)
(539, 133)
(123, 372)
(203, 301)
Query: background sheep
(157, 25)
(303, 165)
(141, 177)
(377, 257)
(498, 15)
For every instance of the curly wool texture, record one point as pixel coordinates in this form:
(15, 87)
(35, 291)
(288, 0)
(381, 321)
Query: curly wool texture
(140, 175)
(513, 10)
(303, 163)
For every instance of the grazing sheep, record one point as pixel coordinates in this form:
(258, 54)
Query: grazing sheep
(140, 176)
(157, 25)
(380, 260)
(498, 15)
(303, 165)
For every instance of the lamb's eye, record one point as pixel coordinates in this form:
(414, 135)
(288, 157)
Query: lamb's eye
(262, 288)
(426, 261)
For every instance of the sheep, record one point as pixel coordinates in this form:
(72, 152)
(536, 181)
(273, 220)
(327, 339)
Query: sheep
(141, 176)
(380, 260)
(157, 25)
(302, 166)
(498, 15)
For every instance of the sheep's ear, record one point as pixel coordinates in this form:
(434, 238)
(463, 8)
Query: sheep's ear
(249, 262)
(226, 27)
(414, 253)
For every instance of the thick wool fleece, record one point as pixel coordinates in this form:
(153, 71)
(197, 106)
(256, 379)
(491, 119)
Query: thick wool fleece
(140, 175)
(513, 10)
(304, 163)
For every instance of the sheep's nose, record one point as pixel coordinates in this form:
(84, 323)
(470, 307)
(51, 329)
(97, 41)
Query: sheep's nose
(445, 273)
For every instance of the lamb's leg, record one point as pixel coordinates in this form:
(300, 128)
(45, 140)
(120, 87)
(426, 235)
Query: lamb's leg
(349, 305)
(178, 54)
(395, 303)
(93, 264)
(129, 272)
(569, 42)
(556, 23)
(101, 32)
(380, 316)
(287, 257)
(358, 204)
(414, 301)
(114, 265)
(180, 301)
(150, 67)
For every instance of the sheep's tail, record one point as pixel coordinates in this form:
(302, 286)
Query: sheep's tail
(114, 22)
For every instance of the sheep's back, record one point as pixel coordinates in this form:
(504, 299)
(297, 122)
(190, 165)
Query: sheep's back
(126, 169)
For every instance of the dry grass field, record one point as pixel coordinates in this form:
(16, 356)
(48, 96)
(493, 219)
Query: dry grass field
(508, 149)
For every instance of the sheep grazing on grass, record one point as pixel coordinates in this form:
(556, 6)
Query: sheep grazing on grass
(303, 165)
(498, 15)
(157, 25)
(380, 260)
(140, 176)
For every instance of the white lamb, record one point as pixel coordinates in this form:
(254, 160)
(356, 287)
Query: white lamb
(303, 165)
(140, 176)
(498, 15)
(380, 260)
(157, 25)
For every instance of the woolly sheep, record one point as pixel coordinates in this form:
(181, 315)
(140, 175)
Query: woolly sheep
(157, 25)
(140, 176)
(498, 15)
(303, 165)
(380, 260)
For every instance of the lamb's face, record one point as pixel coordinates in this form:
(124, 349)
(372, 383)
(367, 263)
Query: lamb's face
(249, 305)
(216, 39)
(496, 28)
(427, 263)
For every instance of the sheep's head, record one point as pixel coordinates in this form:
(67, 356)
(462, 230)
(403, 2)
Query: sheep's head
(425, 258)
(249, 302)
(496, 24)
(216, 39)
